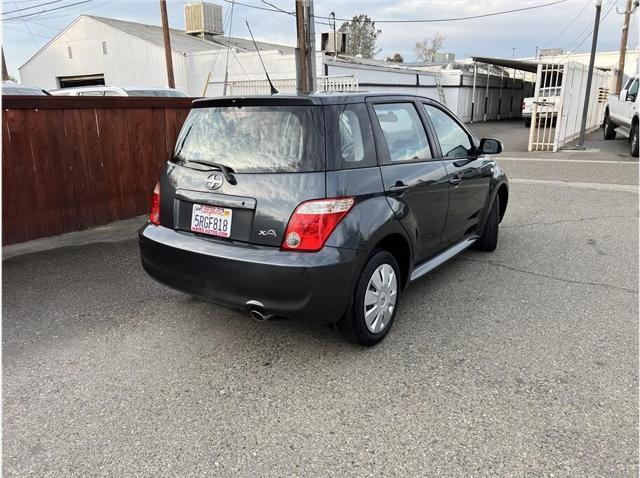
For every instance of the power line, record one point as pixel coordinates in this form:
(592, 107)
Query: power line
(48, 10)
(29, 8)
(43, 25)
(29, 30)
(23, 31)
(72, 11)
(278, 8)
(257, 7)
(226, 64)
(293, 14)
(574, 45)
(454, 19)
(586, 4)
(589, 33)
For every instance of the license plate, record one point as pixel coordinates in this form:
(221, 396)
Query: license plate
(212, 220)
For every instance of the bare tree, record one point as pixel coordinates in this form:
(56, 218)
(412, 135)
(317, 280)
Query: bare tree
(427, 48)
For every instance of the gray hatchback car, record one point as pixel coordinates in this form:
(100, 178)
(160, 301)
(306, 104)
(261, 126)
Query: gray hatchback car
(321, 207)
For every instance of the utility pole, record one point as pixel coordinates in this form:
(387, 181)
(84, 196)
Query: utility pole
(623, 46)
(305, 51)
(5, 73)
(592, 59)
(167, 43)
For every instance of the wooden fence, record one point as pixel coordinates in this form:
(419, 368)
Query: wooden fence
(71, 163)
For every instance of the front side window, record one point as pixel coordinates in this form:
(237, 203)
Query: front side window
(454, 141)
(256, 139)
(403, 131)
(628, 83)
(633, 90)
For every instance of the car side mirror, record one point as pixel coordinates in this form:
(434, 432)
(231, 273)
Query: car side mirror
(490, 146)
(631, 97)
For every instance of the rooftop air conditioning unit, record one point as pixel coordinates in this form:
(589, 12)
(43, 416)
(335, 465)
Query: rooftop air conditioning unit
(329, 46)
(203, 19)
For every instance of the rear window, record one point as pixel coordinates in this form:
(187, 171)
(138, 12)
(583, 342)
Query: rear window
(257, 139)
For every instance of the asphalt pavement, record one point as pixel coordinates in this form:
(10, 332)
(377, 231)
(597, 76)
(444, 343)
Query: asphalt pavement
(521, 362)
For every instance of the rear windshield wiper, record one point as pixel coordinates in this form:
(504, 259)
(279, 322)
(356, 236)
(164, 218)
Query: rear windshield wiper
(227, 171)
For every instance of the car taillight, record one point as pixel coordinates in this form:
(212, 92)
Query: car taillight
(313, 222)
(154, 215)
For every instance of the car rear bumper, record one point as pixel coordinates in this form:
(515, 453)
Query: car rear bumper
(311, 286)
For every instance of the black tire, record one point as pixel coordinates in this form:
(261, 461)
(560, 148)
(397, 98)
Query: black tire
(353, 324)
(609, 128)
(527, 122)
(633, 140)
(489, 238)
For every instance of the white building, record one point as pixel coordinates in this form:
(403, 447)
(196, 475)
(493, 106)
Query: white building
(604, 60)
(97, 50)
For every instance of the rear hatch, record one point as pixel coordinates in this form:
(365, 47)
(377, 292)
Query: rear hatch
(241, 166)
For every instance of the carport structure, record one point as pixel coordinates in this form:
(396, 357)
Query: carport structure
(558, 93)
(484, 97)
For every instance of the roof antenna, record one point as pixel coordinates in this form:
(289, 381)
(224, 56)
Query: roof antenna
(273, 88)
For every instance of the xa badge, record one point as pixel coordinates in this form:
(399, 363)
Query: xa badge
(214, 181)
(269, 232)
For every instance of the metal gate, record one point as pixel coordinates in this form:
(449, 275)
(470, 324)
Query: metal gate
(559, 101)
(546, 107)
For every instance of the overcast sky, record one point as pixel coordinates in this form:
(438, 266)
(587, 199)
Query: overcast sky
(492, 36)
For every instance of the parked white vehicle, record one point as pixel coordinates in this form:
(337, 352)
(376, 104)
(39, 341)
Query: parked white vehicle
(546, 105)
(622, 114)
(12, 88)
(99, 90)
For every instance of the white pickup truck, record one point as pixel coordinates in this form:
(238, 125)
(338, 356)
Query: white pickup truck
(546, 105)
(621, 114)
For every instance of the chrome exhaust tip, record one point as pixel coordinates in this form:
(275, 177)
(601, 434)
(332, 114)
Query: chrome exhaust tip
(257, 312)
(259, 315)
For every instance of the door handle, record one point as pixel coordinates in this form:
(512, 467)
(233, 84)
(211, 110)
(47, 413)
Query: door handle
(399, 188)
(455, 180)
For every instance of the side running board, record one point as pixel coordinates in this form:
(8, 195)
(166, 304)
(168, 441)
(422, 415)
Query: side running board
(441, 258)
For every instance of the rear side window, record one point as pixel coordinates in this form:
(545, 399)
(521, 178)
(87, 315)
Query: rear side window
(255, 139)
(350, 138)
(403, 132)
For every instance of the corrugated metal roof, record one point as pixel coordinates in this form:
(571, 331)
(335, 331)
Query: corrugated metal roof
(529, 66)
(183, 43)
